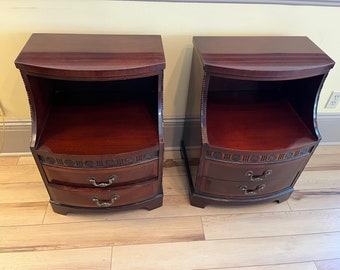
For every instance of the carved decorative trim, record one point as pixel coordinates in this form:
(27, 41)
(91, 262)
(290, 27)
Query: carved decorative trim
(77, 162)
(258, 157)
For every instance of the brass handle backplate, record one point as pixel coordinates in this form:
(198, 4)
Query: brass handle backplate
(111, 179)
(257, 178)
(250, 192)
(105, 203)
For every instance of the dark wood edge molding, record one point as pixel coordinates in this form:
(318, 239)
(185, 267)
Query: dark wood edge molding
(279, 2)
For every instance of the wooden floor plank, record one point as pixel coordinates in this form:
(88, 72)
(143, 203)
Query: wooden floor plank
(8, 161)
(314, 199)
(324, 162)
(228, 253)
(97, 234)
(174, 170)
(94, 259)
(318, 180)
(23, 192)
(271, 224)
(22, 174)
(328, 264)
(327, 150)
(27, 160)
(15, 214)
(291, 266)
(175, 185)
(173, 206)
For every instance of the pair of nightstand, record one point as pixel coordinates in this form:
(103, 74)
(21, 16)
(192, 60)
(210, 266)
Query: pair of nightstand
(97, 110)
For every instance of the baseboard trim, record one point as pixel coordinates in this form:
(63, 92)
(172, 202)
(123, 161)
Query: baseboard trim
(329, 127)
(17, 137)
(18, 133)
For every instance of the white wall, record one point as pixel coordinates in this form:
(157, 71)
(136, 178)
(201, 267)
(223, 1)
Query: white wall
(176, 22)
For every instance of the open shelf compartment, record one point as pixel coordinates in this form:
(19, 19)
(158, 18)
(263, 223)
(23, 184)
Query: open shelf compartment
(254, 116)
(97, 118)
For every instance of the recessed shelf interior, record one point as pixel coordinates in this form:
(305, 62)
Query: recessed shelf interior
(260, 115)
(100, 117)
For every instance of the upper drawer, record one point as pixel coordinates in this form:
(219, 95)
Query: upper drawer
(253, 173)
(101, 177)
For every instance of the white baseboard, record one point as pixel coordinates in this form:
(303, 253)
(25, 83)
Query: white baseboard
(17, 137)
(18, 133)
(329, 127)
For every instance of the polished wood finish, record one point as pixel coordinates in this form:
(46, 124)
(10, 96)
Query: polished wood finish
(301, 233)
(257, 100)
(262, 58)
(92, 57)
(97, 112)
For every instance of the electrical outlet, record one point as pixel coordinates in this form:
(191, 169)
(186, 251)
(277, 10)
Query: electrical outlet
(333, 100)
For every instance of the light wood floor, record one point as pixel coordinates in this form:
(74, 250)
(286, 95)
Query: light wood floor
(301, 233)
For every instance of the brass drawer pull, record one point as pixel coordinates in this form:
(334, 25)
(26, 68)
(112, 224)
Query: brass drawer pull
(111, 179)
(257, 178)
(104, 203)
(246, 191)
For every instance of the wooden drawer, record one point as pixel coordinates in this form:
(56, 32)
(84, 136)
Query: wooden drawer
(252, 173)
(105, 197)
(243, 189)
(101, 177)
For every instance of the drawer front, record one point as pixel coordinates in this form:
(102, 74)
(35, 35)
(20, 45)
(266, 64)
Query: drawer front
(253, 173)
(101, 177)
(242, 189)
(104, 198)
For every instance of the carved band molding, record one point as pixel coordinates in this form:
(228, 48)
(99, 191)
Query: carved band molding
(75, 162)
(255, 158)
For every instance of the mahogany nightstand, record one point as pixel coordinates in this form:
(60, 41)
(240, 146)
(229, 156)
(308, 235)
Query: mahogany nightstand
(257, 99)
(97, 112)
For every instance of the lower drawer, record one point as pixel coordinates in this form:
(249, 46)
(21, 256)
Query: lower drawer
(242, 189)
(105, 197)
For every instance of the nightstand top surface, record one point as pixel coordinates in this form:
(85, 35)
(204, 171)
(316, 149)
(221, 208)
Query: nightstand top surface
(272, 57)
(89, 55)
